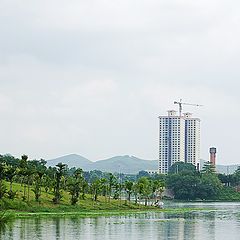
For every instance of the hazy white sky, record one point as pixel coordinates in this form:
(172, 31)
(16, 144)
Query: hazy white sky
(91, 76)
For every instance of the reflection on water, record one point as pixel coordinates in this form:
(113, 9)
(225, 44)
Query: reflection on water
(221, 223)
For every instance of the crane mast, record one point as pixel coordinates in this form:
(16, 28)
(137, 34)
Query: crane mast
(180, 103)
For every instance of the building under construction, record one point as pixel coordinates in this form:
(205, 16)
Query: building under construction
(179, 139)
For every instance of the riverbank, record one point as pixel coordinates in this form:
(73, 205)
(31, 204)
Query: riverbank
(104, 213)
(183, 222)
(84, 208)
(47, 206)
(46, 203)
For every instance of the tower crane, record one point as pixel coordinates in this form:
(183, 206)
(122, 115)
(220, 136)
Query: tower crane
(180, 103)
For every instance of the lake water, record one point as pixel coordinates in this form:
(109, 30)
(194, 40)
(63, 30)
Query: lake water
(219, 221)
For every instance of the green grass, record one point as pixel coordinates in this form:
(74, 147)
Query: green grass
(84, 208)
(47, 206)
(106, 213)
(5, 218)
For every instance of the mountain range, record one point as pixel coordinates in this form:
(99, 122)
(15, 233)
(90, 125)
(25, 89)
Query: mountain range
(124, 164)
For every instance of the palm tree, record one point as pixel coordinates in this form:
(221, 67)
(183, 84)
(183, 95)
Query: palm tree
(61, 168)
(23, 173)
(111, 182)
(129, 189)
(84, 188)
(30, 171)
(136, 190)
(75, 184)
(157, 188)
(104, 187)
(96, 187)
(145, 188)
(39, 173)
(2, 176)
(11, 172)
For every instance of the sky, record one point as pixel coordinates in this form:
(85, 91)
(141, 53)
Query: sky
(91, 77)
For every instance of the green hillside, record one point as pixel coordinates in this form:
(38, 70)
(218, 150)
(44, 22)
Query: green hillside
(72, 160)
(125, 164)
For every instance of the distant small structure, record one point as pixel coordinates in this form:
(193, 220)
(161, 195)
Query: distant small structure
(213, 152)
(152, 172)
(237, 188)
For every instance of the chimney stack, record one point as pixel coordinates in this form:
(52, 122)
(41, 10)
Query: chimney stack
(213, 152)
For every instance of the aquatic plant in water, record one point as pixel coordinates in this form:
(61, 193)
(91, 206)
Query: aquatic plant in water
(5, 218)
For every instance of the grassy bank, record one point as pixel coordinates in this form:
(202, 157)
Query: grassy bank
(84, 208)
(47, 206)
(83, 205)
(177, 212)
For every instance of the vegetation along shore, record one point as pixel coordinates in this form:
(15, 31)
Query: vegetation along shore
(30, 187)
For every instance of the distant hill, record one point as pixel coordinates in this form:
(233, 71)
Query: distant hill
(124, 164)
(72, 160)
(227, 169)
(224, 169)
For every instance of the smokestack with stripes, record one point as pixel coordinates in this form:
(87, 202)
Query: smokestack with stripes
(213, 152)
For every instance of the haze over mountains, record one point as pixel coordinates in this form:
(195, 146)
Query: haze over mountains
(72, 160)
(124, 164)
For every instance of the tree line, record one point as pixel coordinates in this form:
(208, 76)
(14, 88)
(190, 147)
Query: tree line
(35, 176)
(185, 182)
(189, 184)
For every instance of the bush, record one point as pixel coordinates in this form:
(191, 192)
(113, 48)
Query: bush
(12, 194)
(229, 194)
(3, 189)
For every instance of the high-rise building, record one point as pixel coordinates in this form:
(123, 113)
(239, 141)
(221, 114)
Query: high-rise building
(179, 140)
(192, 139)
(171, 140)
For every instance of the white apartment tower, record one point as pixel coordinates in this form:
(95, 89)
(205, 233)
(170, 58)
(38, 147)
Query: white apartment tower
(171, 140)
(179, 140)
(192, 139)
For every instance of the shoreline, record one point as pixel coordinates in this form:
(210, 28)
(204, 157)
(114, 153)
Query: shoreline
(103, 213)
(96, 210)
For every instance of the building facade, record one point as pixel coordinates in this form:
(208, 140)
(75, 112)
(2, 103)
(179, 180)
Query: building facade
(179, 140)
(192, 139)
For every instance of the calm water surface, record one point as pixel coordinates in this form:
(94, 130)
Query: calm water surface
(218, 221)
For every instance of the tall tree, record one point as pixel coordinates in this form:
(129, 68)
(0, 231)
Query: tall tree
(104, 187)
(236, 177)
(111, 182)
(75, 185)
(210, 186)
(179, 167)
(145, 188)
(61, 169)
(11, 172)
(184, 185)
(40, 171)
(129, 189)
(23, 173)
(3, 188)
(96, 188)
(29, 171)
(158, 188)
(208, 167)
